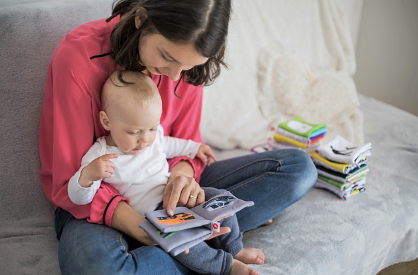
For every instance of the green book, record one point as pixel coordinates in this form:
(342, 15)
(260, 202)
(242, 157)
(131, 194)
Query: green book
(339, 185)
(302, 128)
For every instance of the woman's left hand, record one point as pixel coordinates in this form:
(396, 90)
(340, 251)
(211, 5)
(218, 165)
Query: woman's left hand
(182, 189)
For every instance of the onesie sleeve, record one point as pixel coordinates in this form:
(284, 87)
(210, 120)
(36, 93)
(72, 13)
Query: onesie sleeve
(175, 147)
(84, 195)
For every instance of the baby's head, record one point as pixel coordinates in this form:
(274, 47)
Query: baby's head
(131, 111)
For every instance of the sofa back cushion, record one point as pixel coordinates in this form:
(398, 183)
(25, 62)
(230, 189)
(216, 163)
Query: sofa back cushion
(29, 34)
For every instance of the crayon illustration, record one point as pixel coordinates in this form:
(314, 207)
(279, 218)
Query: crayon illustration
(176, 218)
(218, 203)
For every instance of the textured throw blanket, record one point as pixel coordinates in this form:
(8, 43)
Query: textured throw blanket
(291, 59)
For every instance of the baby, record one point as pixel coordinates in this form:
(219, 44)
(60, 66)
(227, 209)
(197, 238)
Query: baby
(133, 159)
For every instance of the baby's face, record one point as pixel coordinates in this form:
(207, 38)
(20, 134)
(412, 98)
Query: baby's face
(136, 129)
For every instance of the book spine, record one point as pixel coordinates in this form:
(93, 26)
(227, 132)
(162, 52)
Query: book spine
(281, 138)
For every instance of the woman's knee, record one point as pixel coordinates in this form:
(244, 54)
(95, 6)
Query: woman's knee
(153, 260)
(86, 248)
(114, 257)
(299, 170)
(304, 172)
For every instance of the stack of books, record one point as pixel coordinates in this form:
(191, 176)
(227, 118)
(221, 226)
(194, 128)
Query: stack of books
(342, 167)
(298, 133)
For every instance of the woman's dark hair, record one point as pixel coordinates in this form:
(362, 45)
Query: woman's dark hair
(203, 23)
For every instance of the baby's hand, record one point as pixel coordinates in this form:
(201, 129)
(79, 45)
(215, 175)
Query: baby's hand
(100, 168)
(205, 154)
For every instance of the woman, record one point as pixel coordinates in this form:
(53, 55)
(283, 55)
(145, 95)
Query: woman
(181, 45)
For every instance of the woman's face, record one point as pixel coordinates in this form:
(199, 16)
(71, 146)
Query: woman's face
(163, 57)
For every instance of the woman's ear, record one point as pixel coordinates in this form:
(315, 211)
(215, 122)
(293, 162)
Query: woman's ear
(140, 17)
(104, 120)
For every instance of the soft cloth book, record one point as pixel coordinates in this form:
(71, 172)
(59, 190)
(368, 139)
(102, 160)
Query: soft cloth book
(190, 226)
(344, 168)
(302, 128)
(343, 151)
(304, 140)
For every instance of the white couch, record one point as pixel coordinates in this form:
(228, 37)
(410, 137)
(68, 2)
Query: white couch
(321, 234)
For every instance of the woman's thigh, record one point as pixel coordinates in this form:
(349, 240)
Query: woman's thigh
(274, 180)
(87, 248)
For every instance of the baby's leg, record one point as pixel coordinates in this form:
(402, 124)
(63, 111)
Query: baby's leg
(232, 243)
(209, 257)
(242, 256)
(216, 255)
(207, 260)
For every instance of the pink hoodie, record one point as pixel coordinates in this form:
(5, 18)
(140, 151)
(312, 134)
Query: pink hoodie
(70, 123)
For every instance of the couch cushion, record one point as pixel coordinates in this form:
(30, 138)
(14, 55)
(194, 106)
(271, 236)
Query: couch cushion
(28, 37)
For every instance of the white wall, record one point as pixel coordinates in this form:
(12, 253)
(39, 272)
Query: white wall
(353, 10)
(387, 52)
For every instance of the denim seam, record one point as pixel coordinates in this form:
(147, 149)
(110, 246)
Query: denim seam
(280, 166)
(251, 182)
(123, 247)
(248, 164)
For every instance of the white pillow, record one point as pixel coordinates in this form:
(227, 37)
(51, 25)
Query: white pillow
(289, 88)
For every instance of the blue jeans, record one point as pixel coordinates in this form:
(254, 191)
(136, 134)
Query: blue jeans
(95, 249)
(273, 180)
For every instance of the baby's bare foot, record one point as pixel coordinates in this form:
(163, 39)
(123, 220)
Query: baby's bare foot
(268, 222)
(239, 268)
(250, 256)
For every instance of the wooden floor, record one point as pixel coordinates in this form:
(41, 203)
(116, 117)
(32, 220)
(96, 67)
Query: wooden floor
(407, 268)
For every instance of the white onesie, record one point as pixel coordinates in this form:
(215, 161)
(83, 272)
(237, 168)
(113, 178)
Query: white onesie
(139, 178)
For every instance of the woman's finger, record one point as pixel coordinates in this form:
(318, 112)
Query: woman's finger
(174, 196)
(192, 200)
(201, 196)
(166, 195)
(172, 202)
(195, 197)
(222, 230)
(188, 194)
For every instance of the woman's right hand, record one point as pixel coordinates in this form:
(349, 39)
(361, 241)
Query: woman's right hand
(182, 190)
